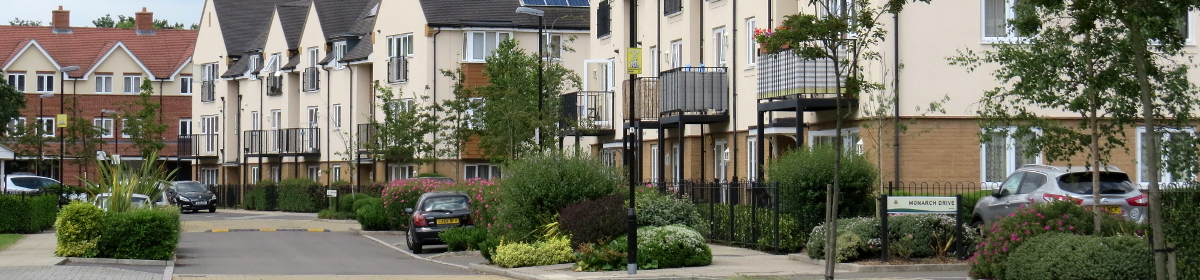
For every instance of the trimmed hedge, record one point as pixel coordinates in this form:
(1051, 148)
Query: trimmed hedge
(301, 195)
(1180, 227)
(553, 251)
(595, 221)
(463, 238)
(78, 229)
(263, 196)
(27, 213)
(346, 202)
(791, 236)
(1064, 256)
(364, 202)
(538, 186)
(370, 214)
(149, 234)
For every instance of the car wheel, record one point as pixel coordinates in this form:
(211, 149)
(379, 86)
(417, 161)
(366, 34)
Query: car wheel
(413, 245)
(977, 223)
(212, 209)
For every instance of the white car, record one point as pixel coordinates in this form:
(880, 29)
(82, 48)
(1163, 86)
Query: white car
(139, 200)
(25, 183)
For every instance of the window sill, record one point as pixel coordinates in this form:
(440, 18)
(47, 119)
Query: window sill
(675, 14)
(397, 82)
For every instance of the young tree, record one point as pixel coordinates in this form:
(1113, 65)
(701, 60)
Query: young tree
(141, 122)
(125, 22)
(458, 119)
(12, 99)
(510, 115)
(401, 137)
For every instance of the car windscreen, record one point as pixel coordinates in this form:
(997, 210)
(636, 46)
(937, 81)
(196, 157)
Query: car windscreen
(1110, 183)
(32, 182)
(187, 187)
(445, 203)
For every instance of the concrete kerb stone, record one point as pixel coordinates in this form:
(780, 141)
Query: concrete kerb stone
(487, 269)
(852, 267)
(169, 263)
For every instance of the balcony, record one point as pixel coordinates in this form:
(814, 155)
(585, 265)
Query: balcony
(646, 108)
(366, 138)
(788, 82)
(198, 146)
(274, 85)
(588, 113)
(694, 95)
(283, 142)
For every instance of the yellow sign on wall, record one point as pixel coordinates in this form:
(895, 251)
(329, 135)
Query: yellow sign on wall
(61, 119)
(634, 57)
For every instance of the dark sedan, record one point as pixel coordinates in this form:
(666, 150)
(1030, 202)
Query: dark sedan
(436, 212)
(192, 195)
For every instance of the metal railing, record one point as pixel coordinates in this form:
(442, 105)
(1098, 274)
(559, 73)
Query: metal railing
(784, 75)
(208, 91)
(301, 141)
(366, 137)
(262, 142)
(740, 213)
(695, 90)
(398, 69)
(198, 145)
(588, 109)
(648, 97)
(274, 85)
(311, 79)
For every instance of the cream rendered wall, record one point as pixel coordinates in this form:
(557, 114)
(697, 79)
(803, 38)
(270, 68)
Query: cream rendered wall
(31, 61)
(210, 48)
(254, 97)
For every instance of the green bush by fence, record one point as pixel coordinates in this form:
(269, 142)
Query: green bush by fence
(463, 238)
(803, 174)
(658, 209)
(1065, 256)
(346, 201)
(262, 197)
(150, 234)
(538, 187)
(78, 230)
(370, 214)
(27, 213)
(1180, 227)
(300, 195)
(791, 236)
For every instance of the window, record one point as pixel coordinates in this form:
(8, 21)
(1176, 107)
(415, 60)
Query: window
(314, 56)
(311, 78)
(104, 126)
(479, 44)
(255, 174)
(45, 126)
(481, 171)
(676, 54)
(314, 172)
(336, 173)
(996, 14)
(653, 62)
(275, 174)
(45, 83)
(339, 51)
(1170, 137)
(603, 19)
(400, 45)
(752, 158)
(677, 172)
(185, 85)
(209, 72)
(610, 75)
(1003, 153)
(751, 45)
(185, 126)
(671, 7)
(609, 157)
(313, 116)
(850, 141)
(17, 81)
(208, 176)
(720, 47)
(16, 126)
(276, 119)
(133, 84)
(654, 163)
(104, 84)
(124, 125)
(208, 77)
(336, 116)
(401, 171)
(554, 46)
(255, 64)
(402, 105)
(255, 120)
(473, 121)
(721, 161)
(209, 125)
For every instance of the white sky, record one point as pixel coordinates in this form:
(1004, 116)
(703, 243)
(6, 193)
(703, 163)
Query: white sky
(84, 11)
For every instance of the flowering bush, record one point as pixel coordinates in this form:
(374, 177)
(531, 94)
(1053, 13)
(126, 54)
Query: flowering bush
(537, 187)
(552, 251)
(485, 200)
(1009, 233)
(403, 194)
(671, 246)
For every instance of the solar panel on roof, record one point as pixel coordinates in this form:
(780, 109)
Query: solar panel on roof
(578, 3)
(533, 2)
(556, 2)
(559, 3)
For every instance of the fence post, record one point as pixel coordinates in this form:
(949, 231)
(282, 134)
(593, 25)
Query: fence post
(728, 197)
(958, 229)
(776, 227)
(884, 232)
(712, 210)
(753, 213)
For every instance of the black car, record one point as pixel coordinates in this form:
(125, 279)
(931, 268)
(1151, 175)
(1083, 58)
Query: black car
(192, 195)
(436, 212)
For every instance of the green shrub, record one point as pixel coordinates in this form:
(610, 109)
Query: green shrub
(1180, 227)
(27, 213)
(371, 215)
(857, 238)
(78, 230)
(671, 246)
(364, 201)
(715, 219)
(345, 202)
(430, 174)
(463, 238)
(300, 195)
(601, 257)
(488, 246)
(803, 174)
(1064, 256)
(595, 221)
(149, 234)
(539, 186)
(552, 251)
(910, 236)
(1009, 233)
(658, 209)
(335, 215)
(262, 197)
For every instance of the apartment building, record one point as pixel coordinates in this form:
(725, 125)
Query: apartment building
(705, 86)
(91, 74)
(288, 85)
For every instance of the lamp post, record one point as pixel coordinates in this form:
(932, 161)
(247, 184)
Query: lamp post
(110, 129)
(541, 64)
(41, 131)
(62, 142)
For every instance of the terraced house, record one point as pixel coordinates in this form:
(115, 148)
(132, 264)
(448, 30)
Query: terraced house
(706, 91)
(91, 74)
(287, 86)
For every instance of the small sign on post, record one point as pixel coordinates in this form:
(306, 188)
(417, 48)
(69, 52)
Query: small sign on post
(923, 204)
(331, 193)
(635, 61)
(61, 119)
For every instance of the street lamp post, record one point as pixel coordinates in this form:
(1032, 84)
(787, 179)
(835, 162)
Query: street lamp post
(41, 132)
(62, 142)
(541, 65)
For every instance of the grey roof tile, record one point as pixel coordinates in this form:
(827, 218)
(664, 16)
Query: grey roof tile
(501, 13)
(339, 16)
(243, 21)
(293, 16)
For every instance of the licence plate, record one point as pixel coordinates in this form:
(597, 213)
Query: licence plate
(1113, 209)
(447, 221)
(200, 203)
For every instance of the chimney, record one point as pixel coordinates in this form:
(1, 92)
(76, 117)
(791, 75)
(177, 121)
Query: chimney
(61, 20)
(145, 22)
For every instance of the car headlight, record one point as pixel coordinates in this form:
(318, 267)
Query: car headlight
(184, 198)
(213, 198)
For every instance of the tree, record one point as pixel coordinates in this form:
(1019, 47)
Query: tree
(24, 22)
(125, 22)
(12, 99)
(510, 115)
(401, 137)
(141, 122)
(458, 118)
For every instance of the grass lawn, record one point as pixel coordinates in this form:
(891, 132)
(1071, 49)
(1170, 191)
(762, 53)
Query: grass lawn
(8, 240)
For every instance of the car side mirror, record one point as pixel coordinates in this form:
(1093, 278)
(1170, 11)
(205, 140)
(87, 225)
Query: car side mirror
(998, 192)
(408, 210)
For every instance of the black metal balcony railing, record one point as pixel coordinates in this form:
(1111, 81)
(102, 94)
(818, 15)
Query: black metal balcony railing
(311, 79)
(784, 75)
(208, 91)
(198, 145)
(301, 141)
(695, 91)
(589, 109)
(366, 137)
(262, 142)
(648, 97)
(274, 85)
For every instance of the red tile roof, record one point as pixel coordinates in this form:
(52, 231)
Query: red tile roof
(162, 53)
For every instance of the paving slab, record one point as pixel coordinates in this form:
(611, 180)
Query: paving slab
(33, 250)
(75, 272)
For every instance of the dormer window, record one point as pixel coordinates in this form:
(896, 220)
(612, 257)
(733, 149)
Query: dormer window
(339, 51)
(255, 63)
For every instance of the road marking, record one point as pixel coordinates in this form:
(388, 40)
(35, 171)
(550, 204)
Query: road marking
(269, 229)
(317, 230)
(219, 230)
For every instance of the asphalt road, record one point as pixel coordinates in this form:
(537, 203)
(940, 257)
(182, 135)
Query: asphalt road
(296, 253)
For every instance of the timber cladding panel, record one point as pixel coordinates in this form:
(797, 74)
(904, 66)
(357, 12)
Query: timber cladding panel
(474, 75)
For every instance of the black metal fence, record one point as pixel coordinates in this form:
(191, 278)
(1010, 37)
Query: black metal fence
(232, 196)
(739, 213)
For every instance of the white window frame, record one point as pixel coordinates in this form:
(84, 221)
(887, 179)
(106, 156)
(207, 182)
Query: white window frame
(105, 126)
(336, 173)
(210, 124)
(45, 82)
(1010, 155)
(124, 123)
(255, 120)
(610, 75)
(17, 80)
(401, 171)
(553, 50)
(491, 39)
(314, 172)
(851, 139)
(209, 175)
(335, 116)
(677, 171)
(720, 41)
(314, 56)
(44, 122)
(752, 158)
(1009, 14)
(1164, 176)
(104, 84)
(11, 128)
(185, 85)
(400, 45)
(676, 54)
(720, 162)
(751, 43)
(185, 126)
(492, 171)
(609, 157)
(255, 174)
(255, 63)
(314, 117)
(653, 62)
(276, 175)
(339, 51)
(132, 83)
(471, 112)
(276, 119)
(654, 162)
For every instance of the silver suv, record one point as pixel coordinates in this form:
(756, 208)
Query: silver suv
(1032, 184)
